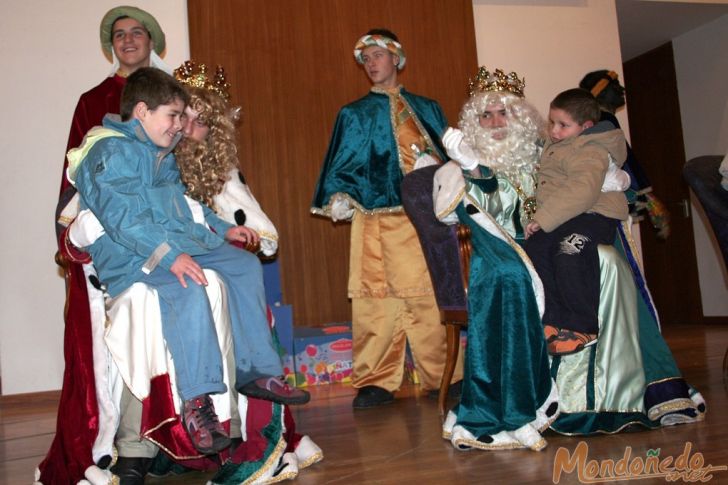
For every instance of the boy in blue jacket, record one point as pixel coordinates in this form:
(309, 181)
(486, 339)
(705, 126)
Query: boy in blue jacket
(127, 175)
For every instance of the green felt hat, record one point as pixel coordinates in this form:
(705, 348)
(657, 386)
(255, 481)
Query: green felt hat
(144, 18)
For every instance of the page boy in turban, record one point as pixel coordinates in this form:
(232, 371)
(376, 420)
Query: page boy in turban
(376, 141)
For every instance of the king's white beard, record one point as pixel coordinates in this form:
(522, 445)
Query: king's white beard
(508, 154)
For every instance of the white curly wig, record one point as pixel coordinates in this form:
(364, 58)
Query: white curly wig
(519, 151)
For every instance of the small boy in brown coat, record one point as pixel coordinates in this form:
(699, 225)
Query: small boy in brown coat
(574, 216)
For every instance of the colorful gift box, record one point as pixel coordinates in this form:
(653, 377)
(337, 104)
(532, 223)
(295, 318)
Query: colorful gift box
(322, 354)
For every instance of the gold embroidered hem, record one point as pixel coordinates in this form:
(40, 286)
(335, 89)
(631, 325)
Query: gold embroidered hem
(65, 221)
(656, 412)
(601, 431)
(315, 458)
(147, 436)
(270, 463)
(268, 235)
(326, 210)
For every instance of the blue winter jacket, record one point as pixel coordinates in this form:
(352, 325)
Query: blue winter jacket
(134, 189)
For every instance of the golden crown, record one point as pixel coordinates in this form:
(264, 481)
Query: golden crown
(195, 76)
(498, 80)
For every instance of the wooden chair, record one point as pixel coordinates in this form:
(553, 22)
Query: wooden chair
(447, 254)
(702, 176)
(455, 320)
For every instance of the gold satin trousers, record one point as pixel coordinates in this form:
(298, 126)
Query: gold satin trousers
(392, 303)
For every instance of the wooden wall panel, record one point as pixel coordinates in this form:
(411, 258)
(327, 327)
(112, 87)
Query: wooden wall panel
(291, 68)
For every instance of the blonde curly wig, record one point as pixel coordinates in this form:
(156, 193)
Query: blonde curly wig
(205, 166)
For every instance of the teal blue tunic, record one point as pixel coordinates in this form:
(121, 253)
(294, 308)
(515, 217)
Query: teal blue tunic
(363, 159)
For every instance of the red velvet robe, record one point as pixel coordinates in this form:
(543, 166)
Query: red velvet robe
(77, 422)
(90, 110)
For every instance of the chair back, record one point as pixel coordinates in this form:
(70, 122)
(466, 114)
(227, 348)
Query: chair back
(439, 241)
(702, 176)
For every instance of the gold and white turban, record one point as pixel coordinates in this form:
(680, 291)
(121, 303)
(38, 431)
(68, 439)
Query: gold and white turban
(382, 41)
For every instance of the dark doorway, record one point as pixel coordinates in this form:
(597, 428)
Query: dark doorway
(657, 140)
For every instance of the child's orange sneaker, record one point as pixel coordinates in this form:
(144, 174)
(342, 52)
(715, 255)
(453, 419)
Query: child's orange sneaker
(570, 342)
(550, 333)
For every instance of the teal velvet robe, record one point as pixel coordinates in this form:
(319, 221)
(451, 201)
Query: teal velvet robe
(506, 363)
(363, 160)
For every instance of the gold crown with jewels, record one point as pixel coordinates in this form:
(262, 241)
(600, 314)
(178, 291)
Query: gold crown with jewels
(190, 74)
(497, 80)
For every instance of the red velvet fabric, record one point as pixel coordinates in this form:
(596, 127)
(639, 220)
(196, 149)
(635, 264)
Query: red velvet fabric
(90, 111)
(70, 252)
(77, 422)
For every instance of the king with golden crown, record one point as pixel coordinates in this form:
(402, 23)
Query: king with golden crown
(488, 186)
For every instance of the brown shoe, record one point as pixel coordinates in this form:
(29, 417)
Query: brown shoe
(131, 470)
(570, 342)
(550, 332)
(203, 426)
(275, 389)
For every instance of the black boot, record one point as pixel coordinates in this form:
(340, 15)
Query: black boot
(131, 470)
(371, 396)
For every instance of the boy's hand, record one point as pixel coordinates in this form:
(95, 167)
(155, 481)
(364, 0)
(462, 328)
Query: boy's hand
(185, 265)
(245, 235)
(532, 228)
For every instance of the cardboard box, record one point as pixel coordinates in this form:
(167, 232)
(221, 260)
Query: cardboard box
(272, 282)
(322, 354)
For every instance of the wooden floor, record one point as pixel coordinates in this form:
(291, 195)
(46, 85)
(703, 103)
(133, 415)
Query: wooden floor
(401, 443)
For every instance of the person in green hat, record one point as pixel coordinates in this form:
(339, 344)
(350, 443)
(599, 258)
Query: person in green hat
(131, 38)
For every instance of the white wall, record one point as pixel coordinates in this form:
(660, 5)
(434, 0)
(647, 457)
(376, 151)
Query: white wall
(702, 79)
(552, 43)
(51, 54)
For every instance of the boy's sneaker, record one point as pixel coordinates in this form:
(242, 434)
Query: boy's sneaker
(274, 389)
(203, 426)
(570, 342)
